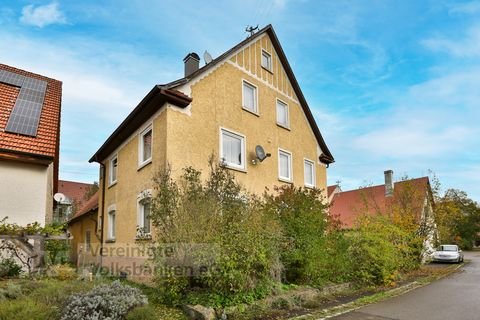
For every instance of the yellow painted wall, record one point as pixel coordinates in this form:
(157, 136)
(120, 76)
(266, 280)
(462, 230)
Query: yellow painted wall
(77, 230)
(187, 137)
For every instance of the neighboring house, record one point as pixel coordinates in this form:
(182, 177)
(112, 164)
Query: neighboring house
(246, 97)
(30, 107)
(75, 195)
(413, 196)
(83, 229)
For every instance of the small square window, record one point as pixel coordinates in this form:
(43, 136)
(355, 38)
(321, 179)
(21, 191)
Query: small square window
(111, 225)
(232, 149)
(309, 171)
(250, 97)
(266, 60)
(282, 114)
(285, 165)
(145, 147)
(113, 170)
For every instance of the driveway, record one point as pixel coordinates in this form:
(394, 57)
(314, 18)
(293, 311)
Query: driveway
(456, 297)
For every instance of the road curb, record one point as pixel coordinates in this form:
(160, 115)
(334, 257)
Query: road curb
(353, 305)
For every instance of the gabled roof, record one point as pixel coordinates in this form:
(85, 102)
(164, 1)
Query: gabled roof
(88, 207)
(44, 146)
(347, 206)
(139, 115)
(75, 191)
(326, 157)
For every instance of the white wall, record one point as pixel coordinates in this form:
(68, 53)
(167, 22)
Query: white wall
(25, 192)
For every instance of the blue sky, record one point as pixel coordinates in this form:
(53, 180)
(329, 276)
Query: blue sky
(393, 84)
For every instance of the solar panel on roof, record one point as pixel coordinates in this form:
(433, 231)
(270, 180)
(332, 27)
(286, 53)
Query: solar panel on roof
(25, 115)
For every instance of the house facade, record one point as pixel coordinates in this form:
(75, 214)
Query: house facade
(30, 106)
(238, 107)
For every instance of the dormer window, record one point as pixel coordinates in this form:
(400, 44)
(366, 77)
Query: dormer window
(266, 60)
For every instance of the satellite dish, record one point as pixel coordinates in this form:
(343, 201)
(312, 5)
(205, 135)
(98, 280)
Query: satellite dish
(207, 57)
(260, 153)
(59, 197)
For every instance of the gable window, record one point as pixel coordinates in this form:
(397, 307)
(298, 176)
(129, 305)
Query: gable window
(144, 209)
(145, 147)
(282, 114)
(285, 165)
(232, 149)
(111, 225)
(250, 97)
(309, 172)
(266, 60)
(113, 170)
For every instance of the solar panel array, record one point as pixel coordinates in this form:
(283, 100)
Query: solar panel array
(25, 115)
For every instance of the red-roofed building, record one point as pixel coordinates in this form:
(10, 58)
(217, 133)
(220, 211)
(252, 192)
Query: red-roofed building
(30, 106)
(414, 196)
(75, 196)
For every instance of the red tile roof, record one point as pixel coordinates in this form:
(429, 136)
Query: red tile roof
(331, 189)
(90, 206)
(75, 191)
(47, 140)
(347, 206)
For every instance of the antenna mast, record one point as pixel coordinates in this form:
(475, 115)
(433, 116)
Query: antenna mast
(251, 29)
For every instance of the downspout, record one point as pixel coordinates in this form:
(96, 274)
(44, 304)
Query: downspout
(102, 211)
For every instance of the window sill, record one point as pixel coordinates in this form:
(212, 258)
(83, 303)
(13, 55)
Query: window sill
(284, 127)
(309, 186)
(251, 112)
(145, 238)
(235, 168)
(110, 240)
(285, 180)
(112, 184)
(268, 70)
(144, 164)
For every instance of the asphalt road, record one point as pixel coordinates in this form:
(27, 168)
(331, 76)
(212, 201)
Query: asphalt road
(456, 297)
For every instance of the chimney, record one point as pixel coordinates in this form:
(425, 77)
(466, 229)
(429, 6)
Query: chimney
(192, 62)
(388, 183)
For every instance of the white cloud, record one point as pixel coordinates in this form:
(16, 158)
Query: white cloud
(42, 16)
(468, 46)
(465, 8)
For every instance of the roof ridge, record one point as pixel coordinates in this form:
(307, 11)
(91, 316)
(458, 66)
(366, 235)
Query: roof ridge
(381, 185)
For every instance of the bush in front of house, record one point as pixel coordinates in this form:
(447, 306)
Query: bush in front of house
(112, 301)
(9, 268)
(62, 272)
(214, 224)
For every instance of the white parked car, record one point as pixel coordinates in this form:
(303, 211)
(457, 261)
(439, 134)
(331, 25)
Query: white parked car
(448, 253)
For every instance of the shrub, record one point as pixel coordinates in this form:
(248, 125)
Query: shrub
(142, 313)
(62, 272)
(112, 301)
(12, 291)
(9, 268)
(302, 214)
(224, 229)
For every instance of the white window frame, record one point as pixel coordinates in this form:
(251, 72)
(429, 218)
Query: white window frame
(243, 165)
(290, 165)
(269, 59)
(143, 162)
(287, 108)
(141, 199)
(111, 182)
(312, 163)
(249, 84)
(111, 225)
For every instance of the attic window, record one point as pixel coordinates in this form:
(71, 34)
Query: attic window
(266, 60)
(113, 170)
(145, 147)
(250, 97)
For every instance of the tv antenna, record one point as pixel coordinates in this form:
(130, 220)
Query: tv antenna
(251, 29)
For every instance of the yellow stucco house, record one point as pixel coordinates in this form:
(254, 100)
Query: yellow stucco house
(245, 98)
